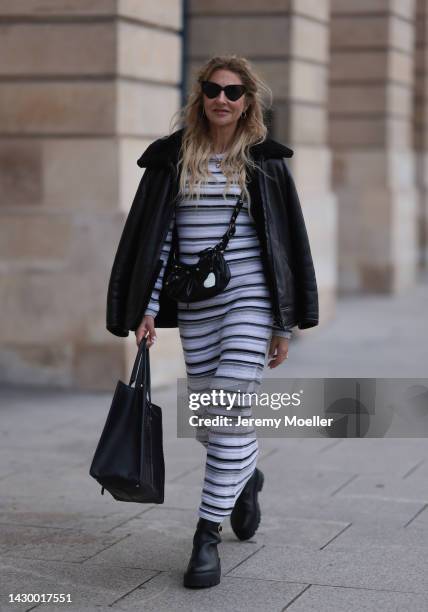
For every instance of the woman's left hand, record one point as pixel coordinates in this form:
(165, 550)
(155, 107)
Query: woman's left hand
(279, 344)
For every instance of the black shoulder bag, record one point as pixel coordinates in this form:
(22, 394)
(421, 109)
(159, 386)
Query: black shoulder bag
(209, 276)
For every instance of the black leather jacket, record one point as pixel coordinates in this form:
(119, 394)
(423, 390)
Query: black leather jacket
(278, 217)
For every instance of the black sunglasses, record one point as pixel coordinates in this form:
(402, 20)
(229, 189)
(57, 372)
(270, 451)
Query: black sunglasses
(212, 90)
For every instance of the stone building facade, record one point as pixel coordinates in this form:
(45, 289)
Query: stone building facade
(88, 84)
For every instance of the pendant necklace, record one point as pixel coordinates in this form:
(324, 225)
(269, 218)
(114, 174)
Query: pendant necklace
(217, 161)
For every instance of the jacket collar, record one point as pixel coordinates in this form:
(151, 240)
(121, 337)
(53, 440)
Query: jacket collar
(164, 150)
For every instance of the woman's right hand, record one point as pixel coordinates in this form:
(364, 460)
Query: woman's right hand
(147, 325)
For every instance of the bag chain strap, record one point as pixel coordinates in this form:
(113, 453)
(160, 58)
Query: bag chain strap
(220, 246)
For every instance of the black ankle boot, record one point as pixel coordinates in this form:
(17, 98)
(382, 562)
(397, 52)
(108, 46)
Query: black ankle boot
(204, 569)
(245, 517)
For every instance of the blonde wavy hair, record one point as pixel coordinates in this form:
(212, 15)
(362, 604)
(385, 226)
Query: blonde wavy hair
(197, 146)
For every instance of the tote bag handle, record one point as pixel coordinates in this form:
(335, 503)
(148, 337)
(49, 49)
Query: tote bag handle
(141, 370)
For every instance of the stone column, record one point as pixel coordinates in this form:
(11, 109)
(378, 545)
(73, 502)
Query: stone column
(287, 43)
(86, 86)
(371, 109)
(421, 126)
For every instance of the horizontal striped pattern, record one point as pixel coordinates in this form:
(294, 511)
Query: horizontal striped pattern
(200, 224)
(225, 338)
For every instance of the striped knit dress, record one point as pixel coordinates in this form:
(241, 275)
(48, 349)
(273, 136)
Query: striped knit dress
(225, 338)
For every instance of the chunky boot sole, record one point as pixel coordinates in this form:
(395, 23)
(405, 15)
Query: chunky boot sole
(246, 535)
(202, 580)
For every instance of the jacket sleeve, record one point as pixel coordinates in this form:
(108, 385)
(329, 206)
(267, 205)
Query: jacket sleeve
(153, 305)
(124, 260)
(306, 284)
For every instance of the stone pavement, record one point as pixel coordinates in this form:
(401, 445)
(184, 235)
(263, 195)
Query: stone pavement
(344, 522)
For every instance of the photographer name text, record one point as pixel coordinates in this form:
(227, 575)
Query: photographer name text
(276, 422)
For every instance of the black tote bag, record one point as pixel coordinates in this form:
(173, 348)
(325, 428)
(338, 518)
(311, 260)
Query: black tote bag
(129, 460)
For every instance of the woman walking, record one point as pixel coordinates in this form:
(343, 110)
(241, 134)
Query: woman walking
(219, 175)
